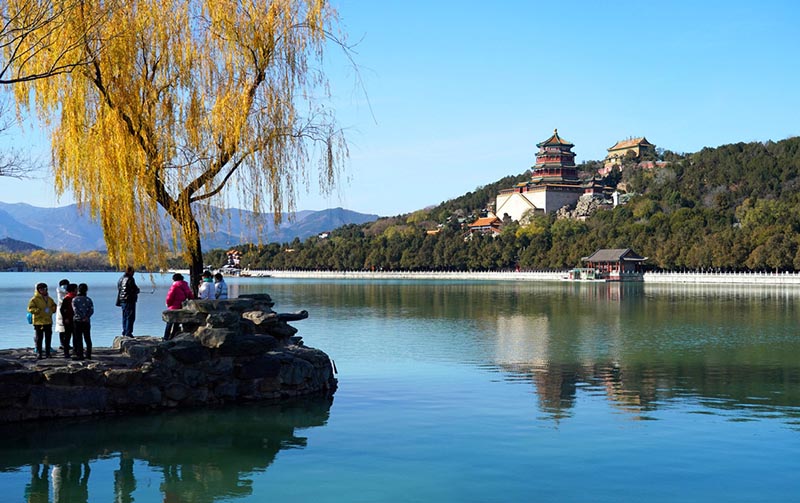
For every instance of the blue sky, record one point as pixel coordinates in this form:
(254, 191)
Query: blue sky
(460, 92)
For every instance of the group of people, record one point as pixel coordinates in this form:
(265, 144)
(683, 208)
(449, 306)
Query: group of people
(211, 288)
(73, 311)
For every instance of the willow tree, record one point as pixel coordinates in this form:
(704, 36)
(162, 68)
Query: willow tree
(183, 107)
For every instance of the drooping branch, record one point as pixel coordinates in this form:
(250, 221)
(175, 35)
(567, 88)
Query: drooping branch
(34, 43)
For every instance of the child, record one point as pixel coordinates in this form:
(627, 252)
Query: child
(42, 307)
(84, 309)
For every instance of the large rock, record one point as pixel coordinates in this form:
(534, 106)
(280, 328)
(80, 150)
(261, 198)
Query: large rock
(229, 351)
(215, 337)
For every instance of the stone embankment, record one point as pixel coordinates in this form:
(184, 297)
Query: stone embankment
(227, 351)
(700, 278)
(403, 275)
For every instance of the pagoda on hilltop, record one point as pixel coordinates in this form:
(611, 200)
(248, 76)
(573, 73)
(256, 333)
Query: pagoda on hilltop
(554, 183)
(555, 161)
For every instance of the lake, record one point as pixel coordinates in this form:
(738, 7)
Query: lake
(456, 392)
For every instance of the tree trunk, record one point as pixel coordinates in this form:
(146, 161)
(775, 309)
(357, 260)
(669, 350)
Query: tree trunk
(191, 234)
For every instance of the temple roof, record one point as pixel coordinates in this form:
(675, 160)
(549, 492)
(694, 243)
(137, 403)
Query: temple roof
(614, 255)
(630, 143)
(484, 221)
(555, 140)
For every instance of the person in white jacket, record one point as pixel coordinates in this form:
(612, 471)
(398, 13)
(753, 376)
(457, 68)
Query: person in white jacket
(63, 337)
(206, 290)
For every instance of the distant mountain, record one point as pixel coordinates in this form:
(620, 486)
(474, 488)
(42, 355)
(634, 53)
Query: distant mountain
(67, 229)
(239, 226)
(13, 246)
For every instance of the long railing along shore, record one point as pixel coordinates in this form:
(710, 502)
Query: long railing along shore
(693, 277)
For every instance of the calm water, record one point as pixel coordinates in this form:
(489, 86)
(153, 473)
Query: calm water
(467, 392)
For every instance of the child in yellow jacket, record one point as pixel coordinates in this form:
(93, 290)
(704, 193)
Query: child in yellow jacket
(42, 307)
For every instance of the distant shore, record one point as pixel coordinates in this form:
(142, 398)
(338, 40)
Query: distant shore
(744, 278)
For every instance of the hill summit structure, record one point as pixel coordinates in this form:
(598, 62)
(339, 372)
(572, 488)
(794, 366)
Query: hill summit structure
(554, 182)
(636, 148)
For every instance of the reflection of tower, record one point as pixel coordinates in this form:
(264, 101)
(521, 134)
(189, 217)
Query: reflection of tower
(522, 339)
(555, 387)
(632, 389)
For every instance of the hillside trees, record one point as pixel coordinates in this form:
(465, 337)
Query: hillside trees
(182, 103)
(675, 220)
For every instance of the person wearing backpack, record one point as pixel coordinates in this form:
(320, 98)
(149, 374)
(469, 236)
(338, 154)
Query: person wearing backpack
(83, 309)
(127, 295)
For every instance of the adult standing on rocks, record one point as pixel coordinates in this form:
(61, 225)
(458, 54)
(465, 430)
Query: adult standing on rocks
(83, 309)
(67, 315)
(127, 295)
(42, 307)
(63, 337)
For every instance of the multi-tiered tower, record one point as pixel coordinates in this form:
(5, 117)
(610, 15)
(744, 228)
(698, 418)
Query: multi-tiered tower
(554, 182)
(555, 161)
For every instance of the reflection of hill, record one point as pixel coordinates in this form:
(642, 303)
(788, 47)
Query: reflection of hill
(640, 346)
(754, 390)
(203, 454)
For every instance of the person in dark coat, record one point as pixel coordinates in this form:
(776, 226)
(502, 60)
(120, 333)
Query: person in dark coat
(83, 309)
(67, 315)
(127, 295)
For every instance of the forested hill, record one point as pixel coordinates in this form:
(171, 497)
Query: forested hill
(733, 207)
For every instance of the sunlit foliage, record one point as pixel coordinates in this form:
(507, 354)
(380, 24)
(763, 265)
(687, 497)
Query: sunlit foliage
(181, 99)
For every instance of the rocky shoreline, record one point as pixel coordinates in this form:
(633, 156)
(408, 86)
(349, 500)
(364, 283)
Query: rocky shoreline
(234, 350)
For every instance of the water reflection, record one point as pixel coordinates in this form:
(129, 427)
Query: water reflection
(642, 347)
(738, 391)
(201, 456)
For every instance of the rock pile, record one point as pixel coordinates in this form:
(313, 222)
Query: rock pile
(587, 205)
(227, 351)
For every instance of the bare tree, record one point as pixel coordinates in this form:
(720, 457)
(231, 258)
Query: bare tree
(14, 162)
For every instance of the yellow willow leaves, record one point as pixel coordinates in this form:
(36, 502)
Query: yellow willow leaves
(179, 99)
